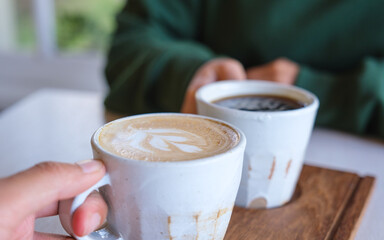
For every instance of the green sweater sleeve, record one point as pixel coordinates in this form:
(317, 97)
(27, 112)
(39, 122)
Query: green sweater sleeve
(154, 54)
(352, 101)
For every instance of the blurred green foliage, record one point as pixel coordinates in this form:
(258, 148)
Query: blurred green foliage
(81, 25)
(85, 25)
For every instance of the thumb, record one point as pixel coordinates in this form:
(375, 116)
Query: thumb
(29, 191)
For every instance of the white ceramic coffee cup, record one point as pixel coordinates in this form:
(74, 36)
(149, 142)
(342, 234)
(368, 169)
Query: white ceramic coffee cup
(276, 141)
(164, 200)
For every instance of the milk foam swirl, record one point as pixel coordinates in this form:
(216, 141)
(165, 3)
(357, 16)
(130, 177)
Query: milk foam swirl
(154, 140)
(167, 138)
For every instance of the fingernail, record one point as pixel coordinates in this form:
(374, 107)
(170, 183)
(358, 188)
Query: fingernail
(94, 222)
(89, 166)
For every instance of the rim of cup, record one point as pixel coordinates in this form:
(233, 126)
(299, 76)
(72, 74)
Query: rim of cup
(231, 88)
(204, 160)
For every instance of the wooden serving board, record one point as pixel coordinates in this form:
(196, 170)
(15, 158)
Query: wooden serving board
(327, 204)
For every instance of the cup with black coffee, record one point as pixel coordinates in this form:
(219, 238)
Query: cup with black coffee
(277, 120)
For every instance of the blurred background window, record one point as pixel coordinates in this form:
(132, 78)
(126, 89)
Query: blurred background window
(74, 26)
(16, 25)
(53, 43)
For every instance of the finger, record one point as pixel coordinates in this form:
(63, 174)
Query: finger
(202, 78)
(50, 210)
(230, 69)
(22, 230)
(280, 70)
(89, 216)
(189, 103)
(214, 70)
(258, 73)
(46, 183)
(49, 236)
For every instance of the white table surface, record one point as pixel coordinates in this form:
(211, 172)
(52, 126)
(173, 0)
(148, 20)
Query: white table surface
(57, 125)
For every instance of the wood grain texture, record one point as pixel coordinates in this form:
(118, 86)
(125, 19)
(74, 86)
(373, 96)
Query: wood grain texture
(316, 211)
(355, 210)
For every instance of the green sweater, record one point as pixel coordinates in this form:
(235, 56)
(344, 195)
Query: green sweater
(159, 44)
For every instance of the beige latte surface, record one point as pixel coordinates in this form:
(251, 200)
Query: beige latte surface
(167, 138)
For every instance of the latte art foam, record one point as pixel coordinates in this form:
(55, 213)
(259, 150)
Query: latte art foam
(167, 138)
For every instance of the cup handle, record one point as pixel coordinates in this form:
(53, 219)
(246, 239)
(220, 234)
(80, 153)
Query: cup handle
(69, 206)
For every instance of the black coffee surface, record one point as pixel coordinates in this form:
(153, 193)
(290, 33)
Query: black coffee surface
(267, 103)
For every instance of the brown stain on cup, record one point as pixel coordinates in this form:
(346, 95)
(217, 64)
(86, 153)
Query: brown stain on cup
(196, 217)
(215, 216)
(272, 168)
(169, 227)
(219, 214)
(223, 211)
(249, 169)
(258, 203)
(288, 167)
